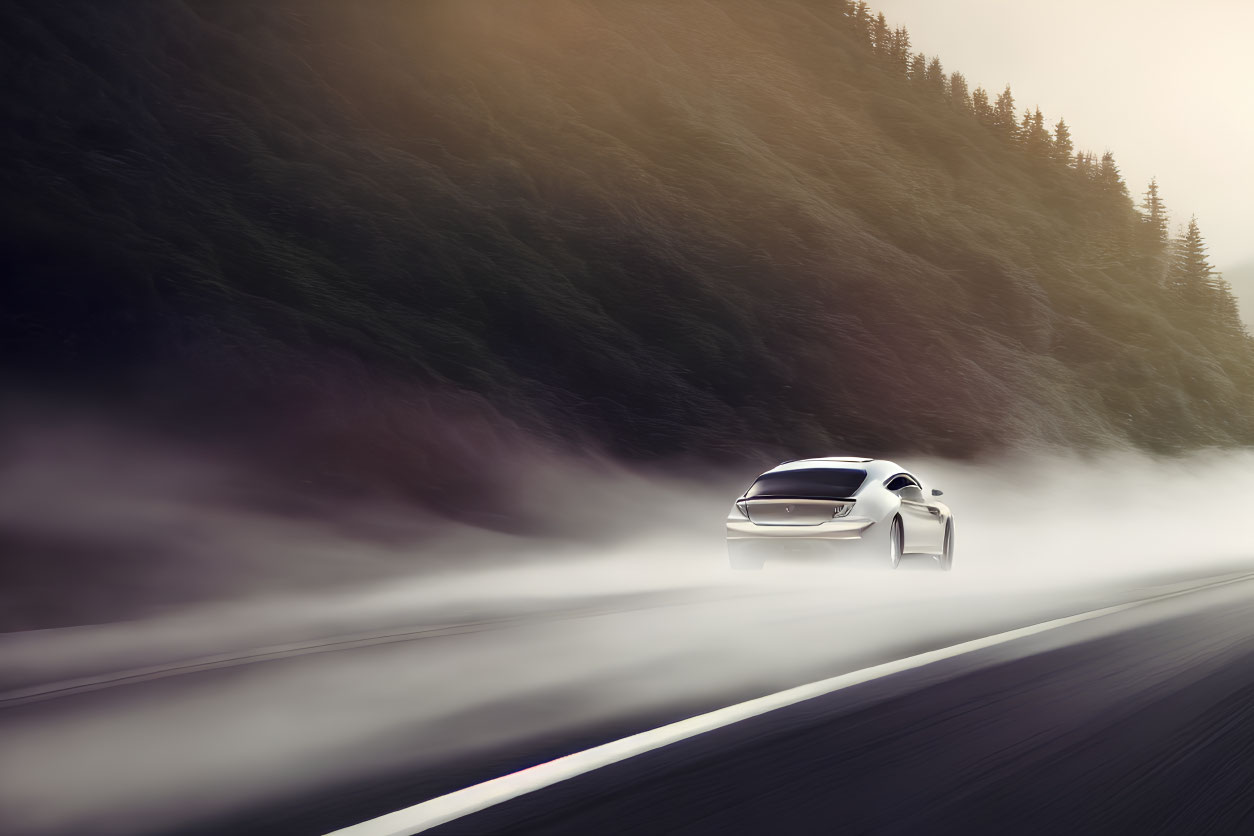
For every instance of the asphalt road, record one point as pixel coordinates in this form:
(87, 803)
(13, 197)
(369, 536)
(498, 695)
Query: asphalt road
(1142, 722)
(123, 729)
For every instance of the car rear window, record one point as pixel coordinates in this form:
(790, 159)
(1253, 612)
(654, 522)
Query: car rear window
(819, 483)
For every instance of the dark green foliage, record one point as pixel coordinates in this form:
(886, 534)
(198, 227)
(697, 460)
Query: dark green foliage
(668, 227)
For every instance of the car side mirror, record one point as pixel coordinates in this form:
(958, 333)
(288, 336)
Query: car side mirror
(937, 493)
(911, 493)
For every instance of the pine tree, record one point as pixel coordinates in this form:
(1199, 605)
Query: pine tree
(1084, 165)
(918, 69)
(862, 22)
(1153, 238)
(880, 37)
(1227, 312)
(1192, 278)
(1004, 115)
(935, 77)
(959, 93)
(901, 50)
(1109, 180)
(1062, 143)
(1038, 141)
(980, 106)
(1155, 218)
(1025, 128)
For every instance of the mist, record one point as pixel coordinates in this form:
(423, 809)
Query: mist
(103, 525)
(408, 638)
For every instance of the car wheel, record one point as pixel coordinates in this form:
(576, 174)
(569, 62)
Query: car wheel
(896, 543)
(947, 556)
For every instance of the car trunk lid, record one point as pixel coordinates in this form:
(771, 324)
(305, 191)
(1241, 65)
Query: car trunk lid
(794, 511)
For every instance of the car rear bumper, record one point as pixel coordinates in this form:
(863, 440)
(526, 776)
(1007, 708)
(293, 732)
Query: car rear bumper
(846, 529)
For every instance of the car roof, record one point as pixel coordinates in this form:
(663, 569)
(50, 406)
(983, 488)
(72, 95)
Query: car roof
(873, 467)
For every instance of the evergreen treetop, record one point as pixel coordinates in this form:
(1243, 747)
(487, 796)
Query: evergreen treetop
(1191, 275)
(980, 107)
(1108, 177)
(959, 94)
(1063, 146)
(881, 36)
(1156, 216)
(1037, 140)
(935, 77)
(918, 68)
(862, 21)
(1003, 121)
(901, 50)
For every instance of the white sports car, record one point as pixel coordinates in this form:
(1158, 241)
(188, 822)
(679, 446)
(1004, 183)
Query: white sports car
(868, 507)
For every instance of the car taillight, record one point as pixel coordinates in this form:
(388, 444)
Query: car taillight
(842, 510)
(738, 510)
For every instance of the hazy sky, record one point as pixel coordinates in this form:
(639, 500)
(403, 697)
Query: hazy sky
(1167, 86)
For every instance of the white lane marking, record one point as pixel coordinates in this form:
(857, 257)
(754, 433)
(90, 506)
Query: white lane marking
(455, 805)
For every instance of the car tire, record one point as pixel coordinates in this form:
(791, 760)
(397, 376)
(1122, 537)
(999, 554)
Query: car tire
(896, 543)
(946, 558)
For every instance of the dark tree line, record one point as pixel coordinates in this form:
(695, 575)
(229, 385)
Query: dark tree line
(1179, 265)
(892, 46)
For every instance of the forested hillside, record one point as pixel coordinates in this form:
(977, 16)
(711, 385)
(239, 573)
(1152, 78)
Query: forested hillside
(694, 227)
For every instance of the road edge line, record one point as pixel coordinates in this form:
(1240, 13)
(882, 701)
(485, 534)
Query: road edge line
(460, 803)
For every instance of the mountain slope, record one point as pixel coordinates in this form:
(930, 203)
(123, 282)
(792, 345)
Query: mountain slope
(665, 227)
